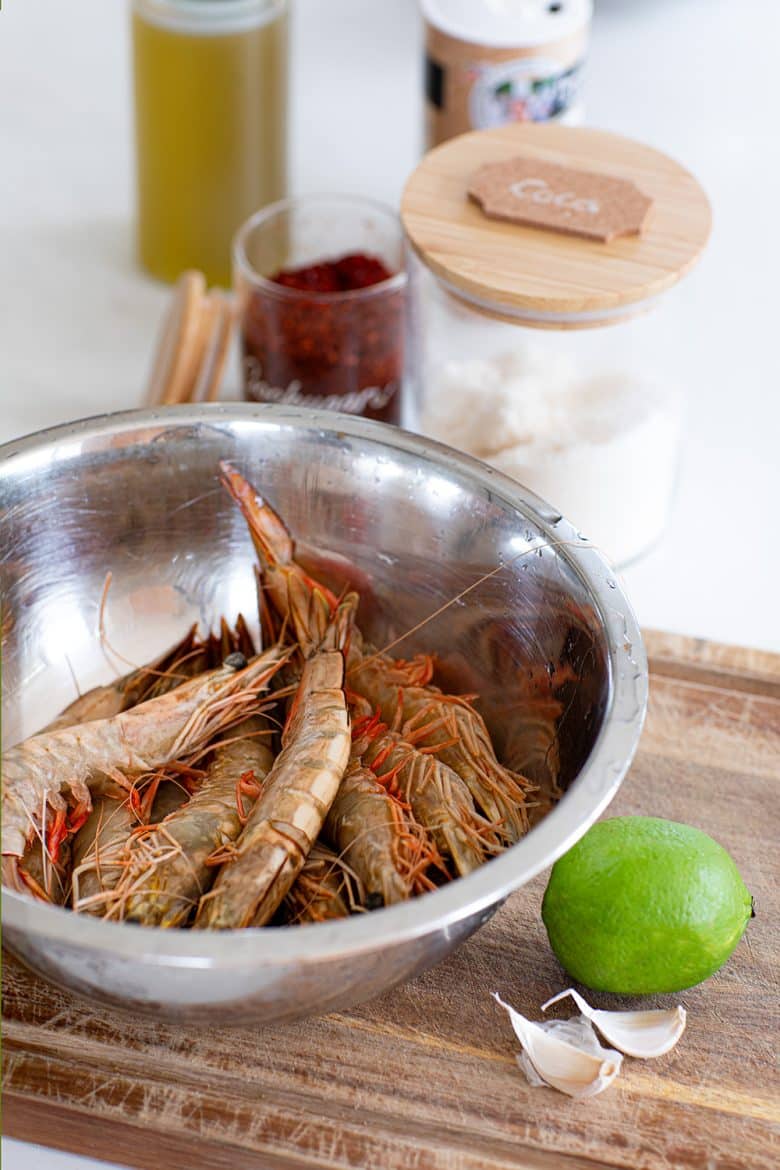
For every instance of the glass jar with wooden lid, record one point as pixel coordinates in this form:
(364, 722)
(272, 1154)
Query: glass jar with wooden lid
(525, 243)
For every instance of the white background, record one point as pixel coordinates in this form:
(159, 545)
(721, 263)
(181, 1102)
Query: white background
(696, 78)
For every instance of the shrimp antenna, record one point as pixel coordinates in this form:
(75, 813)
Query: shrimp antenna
(463, 593)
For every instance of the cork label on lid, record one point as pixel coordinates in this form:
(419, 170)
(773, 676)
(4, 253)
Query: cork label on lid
(542, 194)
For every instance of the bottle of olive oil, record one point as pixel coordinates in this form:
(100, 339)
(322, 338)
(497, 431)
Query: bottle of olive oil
(211, 126)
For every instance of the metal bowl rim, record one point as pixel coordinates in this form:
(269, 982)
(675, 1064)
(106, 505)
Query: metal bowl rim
(587, 797)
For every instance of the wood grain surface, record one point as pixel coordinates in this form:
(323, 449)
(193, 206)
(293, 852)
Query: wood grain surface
(425, 1078)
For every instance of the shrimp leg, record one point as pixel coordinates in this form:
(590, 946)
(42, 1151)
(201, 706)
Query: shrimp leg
(43, 877)
(325, 888)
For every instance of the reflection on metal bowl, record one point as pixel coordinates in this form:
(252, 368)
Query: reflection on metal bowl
(411, 525)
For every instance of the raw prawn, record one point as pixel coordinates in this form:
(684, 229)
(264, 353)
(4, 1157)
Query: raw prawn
(532, 745)
(376, 835)
(44, 770)
(446, 724)
(286, 820)
(99, 846)
(438, 798)
(168, 865)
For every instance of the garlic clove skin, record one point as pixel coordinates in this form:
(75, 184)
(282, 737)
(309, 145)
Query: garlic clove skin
(580, 1069)
(643, 1034)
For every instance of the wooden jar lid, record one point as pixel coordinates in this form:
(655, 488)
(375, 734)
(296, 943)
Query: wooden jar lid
(541, 277)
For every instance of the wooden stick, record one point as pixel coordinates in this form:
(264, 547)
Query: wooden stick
(193, 346)
(212, 367)
(169, 373)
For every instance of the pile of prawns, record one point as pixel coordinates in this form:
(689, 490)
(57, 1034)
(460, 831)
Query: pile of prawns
(220, 788)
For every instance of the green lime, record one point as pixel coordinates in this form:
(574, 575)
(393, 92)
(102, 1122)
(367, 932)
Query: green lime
(642, 905)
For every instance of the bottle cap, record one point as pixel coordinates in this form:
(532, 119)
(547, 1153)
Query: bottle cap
(209, 17)
(508, 25)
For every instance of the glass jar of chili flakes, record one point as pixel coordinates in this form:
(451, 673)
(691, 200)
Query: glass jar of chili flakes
(321, 288)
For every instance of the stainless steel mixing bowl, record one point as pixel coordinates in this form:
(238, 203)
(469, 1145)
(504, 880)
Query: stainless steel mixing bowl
(412, 525)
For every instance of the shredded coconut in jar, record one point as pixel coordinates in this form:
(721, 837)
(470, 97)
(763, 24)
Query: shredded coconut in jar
(601, 447)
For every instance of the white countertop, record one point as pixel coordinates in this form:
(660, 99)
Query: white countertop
(692, 77)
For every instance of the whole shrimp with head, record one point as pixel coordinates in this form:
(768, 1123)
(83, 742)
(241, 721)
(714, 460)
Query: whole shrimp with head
(56, 770)
(447, 725)
(80, 852)
(299, 790)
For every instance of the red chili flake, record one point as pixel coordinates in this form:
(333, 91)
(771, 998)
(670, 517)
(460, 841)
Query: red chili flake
(360, 271)
(345, 275)
(347, 351)
(315, 278)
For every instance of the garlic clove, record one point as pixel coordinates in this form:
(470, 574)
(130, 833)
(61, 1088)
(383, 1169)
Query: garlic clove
(644, 1034)
(577, 1065)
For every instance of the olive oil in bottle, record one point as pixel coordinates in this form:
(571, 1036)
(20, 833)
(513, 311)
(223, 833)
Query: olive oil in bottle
(211, 126)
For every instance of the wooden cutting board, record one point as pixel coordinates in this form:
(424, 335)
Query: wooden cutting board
(425, 1078)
